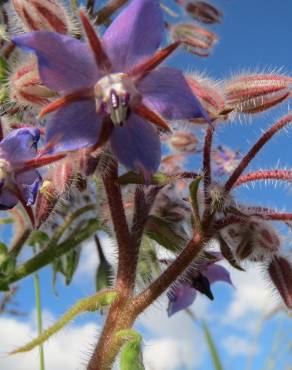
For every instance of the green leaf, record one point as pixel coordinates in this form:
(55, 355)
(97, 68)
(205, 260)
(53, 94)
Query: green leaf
(212, 348)
(6, 220)
(3, 70)
(227, 253)
(104, 272)
(131, 354)
(38, 239)
(134, 178)
(164, 234)
(194, 187)
(71, 263)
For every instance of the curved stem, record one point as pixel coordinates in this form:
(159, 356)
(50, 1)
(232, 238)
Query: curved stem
(149, 295)
(284, 175)
(255, 149)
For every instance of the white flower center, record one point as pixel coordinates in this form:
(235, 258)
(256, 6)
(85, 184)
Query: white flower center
(114, 94)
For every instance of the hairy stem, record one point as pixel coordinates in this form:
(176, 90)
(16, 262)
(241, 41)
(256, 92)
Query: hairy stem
(283, 175)
(255, 149)
(117, 319)
(149, 295)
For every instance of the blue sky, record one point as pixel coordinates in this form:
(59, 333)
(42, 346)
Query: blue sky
(254, 36)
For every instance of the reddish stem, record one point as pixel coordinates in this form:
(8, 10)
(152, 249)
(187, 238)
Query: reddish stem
(285, 175)
(149, 295)
(255, 149)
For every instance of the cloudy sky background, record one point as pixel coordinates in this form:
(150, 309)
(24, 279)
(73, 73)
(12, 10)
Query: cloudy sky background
(253, 36)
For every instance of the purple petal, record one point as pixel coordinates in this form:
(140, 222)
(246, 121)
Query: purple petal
(7, 199)
(137, 145)
(65, 64)
(74, 126)
(29, 183)
(180, 297)
(135, 34)
(166, 91)
(20, 144)
(216, 273)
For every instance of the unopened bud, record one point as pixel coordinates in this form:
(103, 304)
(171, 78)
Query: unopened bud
(26, 87)
(256, 93)
(260, 241)
(209, 95)
(42, 15)
(204, 12)
(280, 271)
(197, 40)
(183, 141)
(45, 203)
(57, 183)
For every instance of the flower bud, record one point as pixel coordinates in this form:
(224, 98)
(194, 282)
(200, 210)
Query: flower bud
(57, 183)
(197, 40)
(204, 12)
(253, 239)
(280, 272)
(26, 87)
(183, 141)
(256, 93)
(42, 15)
(210, 98)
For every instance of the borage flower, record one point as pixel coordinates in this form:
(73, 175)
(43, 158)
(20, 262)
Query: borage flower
(19, 179)
(198, 278)
(112, 88)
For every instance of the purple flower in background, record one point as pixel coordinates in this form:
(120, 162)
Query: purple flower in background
(199, 277)
(113, 89)
(225, 160)
(18, 182)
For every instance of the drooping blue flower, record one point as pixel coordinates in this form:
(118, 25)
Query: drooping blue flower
(198, 278)
(18, 182)
(113, 83)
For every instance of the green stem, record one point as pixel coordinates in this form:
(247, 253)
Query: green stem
(49, 254)
(39, 317)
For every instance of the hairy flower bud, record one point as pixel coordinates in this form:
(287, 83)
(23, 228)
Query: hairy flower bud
(39, 15)
(256, 93)
(280, 272)
(204, 12)
(57, 183)
(253, 239)
(197, 40)
(183, 141)
(26, 87)
(209, 95)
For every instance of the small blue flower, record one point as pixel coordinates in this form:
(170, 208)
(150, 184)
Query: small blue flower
(17, 181)
(198, 278)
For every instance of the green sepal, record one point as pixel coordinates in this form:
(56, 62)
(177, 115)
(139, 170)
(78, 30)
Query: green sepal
(135, 178)
(228, 255)
(131, 353)
(164, 234)
(193, 188)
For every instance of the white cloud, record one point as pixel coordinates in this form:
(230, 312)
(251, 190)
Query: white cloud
(69, 349)
(235, 345)
(167, 354)
(89, 257)
(252, 294)
(182, 334)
